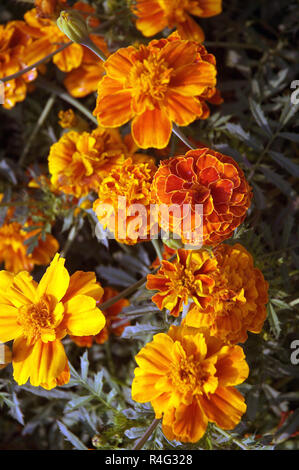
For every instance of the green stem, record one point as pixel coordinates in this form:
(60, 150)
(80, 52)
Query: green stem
(181, 136)
(129, 290)
(233, 439)
(45, 85)
(38, 125)
(156, 245)
(87, 42)
(140, 443)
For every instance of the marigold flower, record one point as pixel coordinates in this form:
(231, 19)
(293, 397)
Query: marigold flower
(154, 86)
(124, 198)
(13, 248)
(204, 177)
(69, 120)
(238, 298)
(78, 162)
(190, 380)
(38, 316)
(189, 276)
(112, 325)
(155, 15)
(13, 43)
(49, 8)
(48, 38)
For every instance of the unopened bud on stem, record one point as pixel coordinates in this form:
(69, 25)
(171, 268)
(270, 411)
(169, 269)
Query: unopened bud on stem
(73, 25)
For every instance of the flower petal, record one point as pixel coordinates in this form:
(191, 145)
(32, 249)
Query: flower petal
(82, 317)
(152, 129)
(56, 279)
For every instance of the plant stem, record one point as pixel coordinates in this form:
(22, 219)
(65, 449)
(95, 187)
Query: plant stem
(233, 439)
(181, 136)
(45, 85)
(38, 125)
(129, 290)
(36, 64)
(156, 245)
(87, 42)
(140, 443)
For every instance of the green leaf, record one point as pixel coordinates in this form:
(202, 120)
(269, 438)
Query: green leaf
(278, 181)
(84, 365)
(260, 117)
(74, 440)
(290, 136)
(273, 319)
(285, 163)
(237, 131)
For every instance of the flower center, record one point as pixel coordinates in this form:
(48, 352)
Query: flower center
(38, 319)
(192, 377)
(149, 79)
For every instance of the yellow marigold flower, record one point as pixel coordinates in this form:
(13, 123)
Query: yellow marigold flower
(13, 44)
(78, 162)
(189, 378)
(154, 85)
(155, 15)
(13, 248)
(5, 356)
(188, 277)
(38, 316)
(113, 325)
(68, 119)
(123, 195)
(238, 298)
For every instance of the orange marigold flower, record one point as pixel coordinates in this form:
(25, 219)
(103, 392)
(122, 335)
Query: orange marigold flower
(13, 44)
(155, 15)
(189, 276)
(48, 38)
(49, 8)
(13, 247)
(238, 298)
(204, 177)
(113, 323)
(124, 198)
(154, 86)
(38, 316)
(72, 121)
(189, 378)
(78, 162)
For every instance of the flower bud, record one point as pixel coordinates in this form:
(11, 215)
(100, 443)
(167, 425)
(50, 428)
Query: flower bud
(73, 25)
(174, 243)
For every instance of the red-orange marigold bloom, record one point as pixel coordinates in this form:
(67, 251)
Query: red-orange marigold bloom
(13, 44)
(238, 298)
(190, 380)
(49, 8)
(78, 162)
(154, 85)
(113, 325)
(124, 199)
(205, 177)
(189, 276)
(155, 15)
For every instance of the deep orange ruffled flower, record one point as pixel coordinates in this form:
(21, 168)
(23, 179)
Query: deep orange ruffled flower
(113, 325)
(154, 86)
(38, 316)
(124, 198)
(13, 44)
(78, 162)
(13, 247)
(188, 277)
(49, 8)
(207, 178)
(155, 15)
(238, 298)
(48, 38)
(190, 379)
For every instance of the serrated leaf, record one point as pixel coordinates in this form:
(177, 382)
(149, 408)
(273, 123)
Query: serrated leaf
(139, 331)
(115, 276)
(74, 440)
(285, 163)
(78, 403)
(289, 427)
(278, 181)
(237, 131)
(84, 363)
(290, 136)
(260, 117)
(273, 319)
(98, 381)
